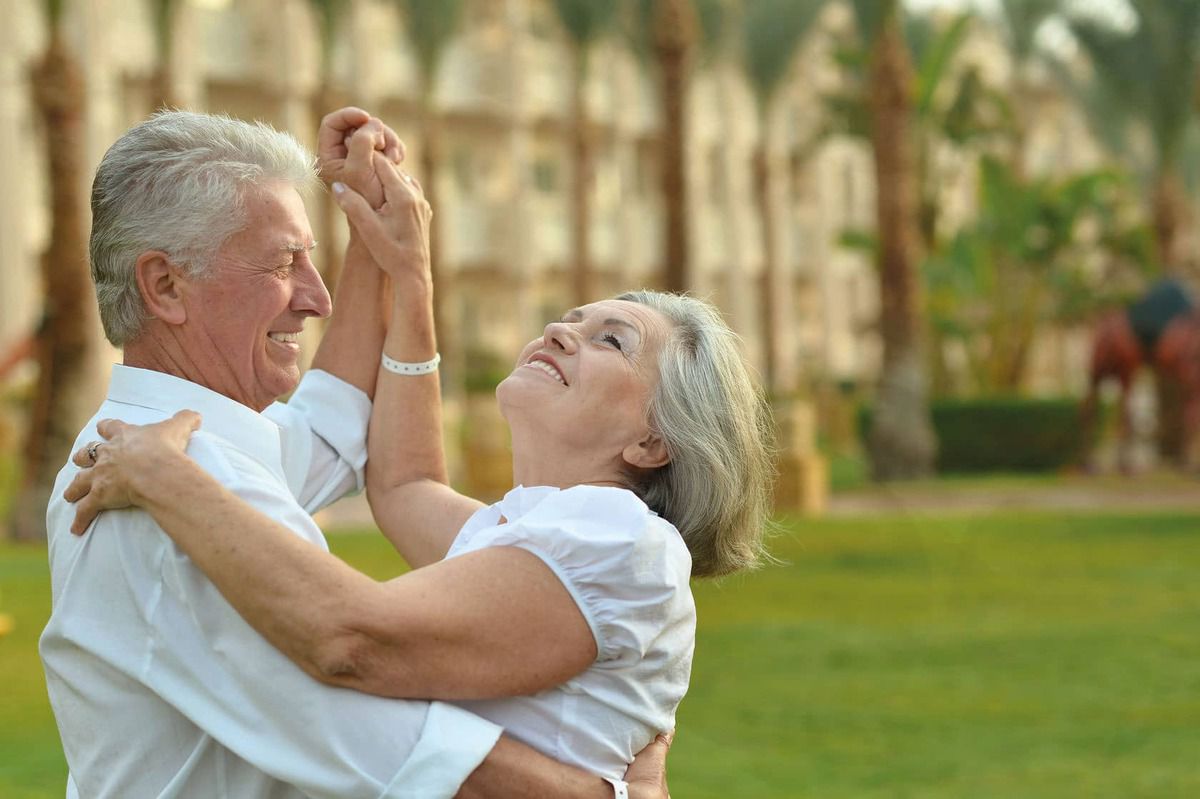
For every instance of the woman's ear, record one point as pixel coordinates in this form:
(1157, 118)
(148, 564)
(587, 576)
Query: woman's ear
(649, 453)
(159, 282)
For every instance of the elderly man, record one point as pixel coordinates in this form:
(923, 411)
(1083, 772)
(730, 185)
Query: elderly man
(201, 254)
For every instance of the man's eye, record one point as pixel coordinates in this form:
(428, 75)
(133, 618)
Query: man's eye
(611, 338)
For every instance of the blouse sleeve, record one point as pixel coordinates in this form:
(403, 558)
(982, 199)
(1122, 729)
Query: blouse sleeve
(621, 564)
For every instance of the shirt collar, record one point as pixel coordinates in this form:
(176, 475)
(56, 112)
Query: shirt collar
(521, 500)
(249, 430)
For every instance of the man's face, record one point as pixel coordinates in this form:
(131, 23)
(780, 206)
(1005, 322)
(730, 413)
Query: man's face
(244, 321)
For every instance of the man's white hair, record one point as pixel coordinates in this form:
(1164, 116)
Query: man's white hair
(177, 183)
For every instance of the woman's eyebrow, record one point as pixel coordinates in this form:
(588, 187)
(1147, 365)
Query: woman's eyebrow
(623, 323)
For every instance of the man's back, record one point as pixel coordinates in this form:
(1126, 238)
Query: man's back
(101, 656)
(161, 689)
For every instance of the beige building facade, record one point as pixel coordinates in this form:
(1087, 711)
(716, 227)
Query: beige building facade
(504, 219)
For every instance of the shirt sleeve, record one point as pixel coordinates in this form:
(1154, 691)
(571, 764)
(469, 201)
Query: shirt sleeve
(323, 436)
(180, 638)
(620, 564)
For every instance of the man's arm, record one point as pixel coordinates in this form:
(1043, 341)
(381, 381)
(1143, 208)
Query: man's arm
(516, 771)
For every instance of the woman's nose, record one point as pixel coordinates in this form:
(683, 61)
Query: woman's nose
(560, 335)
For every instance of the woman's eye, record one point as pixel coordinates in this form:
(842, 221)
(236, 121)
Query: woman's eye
(612, 339)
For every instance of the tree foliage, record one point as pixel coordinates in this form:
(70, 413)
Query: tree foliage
(1042, 252)
(772, 32)
(431, 25)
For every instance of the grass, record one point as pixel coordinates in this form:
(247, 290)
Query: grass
(1029, 655)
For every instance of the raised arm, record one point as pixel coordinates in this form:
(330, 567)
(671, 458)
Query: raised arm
(354, 336)
(406, 467)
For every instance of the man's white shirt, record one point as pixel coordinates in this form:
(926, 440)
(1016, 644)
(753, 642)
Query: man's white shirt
(161, 689)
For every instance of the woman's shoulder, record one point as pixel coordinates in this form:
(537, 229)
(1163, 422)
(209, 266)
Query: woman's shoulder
(606, 526)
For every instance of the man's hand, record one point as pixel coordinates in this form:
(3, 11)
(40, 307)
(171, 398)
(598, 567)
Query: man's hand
(647, 774)
(334, 142)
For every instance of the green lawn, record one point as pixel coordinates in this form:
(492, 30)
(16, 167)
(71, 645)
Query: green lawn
(1028, 655)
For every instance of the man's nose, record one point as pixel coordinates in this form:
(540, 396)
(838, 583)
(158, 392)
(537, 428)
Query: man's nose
(310, 296)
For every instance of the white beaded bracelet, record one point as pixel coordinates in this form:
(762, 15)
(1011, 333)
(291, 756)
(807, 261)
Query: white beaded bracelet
(620, 787)
(401, 368)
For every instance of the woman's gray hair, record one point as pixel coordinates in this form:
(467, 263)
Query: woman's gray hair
(716, 489)
(177, 183)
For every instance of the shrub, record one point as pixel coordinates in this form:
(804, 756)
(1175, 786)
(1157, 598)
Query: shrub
(1003, 434)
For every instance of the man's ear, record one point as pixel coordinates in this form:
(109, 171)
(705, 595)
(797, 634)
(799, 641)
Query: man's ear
(160, 284)
(649, 453)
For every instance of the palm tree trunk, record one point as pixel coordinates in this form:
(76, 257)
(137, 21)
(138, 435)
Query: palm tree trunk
(162, 88)
(64, 346)
(325, 100)
(1170, 216)
(581, 185)
(674, 33)
(430, 161)
(902, 443)
(769, 285)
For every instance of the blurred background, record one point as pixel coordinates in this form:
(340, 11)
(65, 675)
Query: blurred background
(922, 218)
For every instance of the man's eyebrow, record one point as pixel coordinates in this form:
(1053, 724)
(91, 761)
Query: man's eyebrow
(299, 247)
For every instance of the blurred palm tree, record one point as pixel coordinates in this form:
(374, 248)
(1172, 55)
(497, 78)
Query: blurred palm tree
(1021, 20)
(771, 36)
(162, 83)
(675, 34)
(64, 338)
(953, 109)
(328, 16)
(586, 22)
(902, 442)
(1146, 77)
(671, 31)
(430, 26)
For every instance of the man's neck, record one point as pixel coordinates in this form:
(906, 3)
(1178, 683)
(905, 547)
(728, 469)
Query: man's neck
(160, 352)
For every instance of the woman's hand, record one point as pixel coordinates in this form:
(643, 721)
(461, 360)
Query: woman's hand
(397, 233)
(336, 153)
(130, 454)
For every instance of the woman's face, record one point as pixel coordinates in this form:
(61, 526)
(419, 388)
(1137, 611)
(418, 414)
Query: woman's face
(587, 381)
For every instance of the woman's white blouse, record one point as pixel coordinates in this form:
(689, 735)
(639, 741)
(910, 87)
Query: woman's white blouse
(628, 571)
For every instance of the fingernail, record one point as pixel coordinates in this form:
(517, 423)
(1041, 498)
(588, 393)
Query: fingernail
(338, 187)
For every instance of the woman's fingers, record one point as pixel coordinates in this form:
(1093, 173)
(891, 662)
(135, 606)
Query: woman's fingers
(394, 184)
(86, 455)
(87, 502)
(179, 428)
(108, 428)
(80, 486)
(363, 218)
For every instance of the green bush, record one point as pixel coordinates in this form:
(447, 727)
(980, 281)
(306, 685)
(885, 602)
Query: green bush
(1003, 434)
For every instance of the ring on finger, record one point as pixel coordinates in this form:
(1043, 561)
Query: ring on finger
(91, 451)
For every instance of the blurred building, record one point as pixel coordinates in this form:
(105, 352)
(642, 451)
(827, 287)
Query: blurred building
(503, 187)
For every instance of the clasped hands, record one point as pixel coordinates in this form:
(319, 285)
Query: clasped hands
(385, 206)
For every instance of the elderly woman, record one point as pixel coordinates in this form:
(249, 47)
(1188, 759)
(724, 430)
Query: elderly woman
(562, 612)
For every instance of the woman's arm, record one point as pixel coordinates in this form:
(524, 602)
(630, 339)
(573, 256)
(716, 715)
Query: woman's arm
(461, 628)
(353, 338)
(406, 467)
